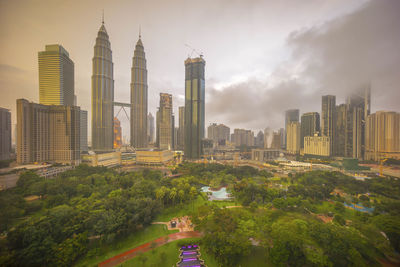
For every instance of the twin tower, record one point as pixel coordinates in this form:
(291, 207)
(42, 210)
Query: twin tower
(103, 95)
(103, 99)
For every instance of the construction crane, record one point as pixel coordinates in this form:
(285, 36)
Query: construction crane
(381, 167)
(200, 54)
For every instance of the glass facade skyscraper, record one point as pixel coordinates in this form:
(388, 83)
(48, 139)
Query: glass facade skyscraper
(139, 138)
(194, 106)
(56, 76)
(102, 94)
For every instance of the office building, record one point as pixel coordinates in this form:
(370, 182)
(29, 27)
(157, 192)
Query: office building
(267, 137)
(382, 136)
(150, 128)
(328, 119)
(293, 138)
(291, 115)
(102, 94)
(181, 130)
(317, 146)
(84, 131)
(194, 106)
(164, 123)
(5, 134)
(47, 133)
(139, 100)
(56, 76)
(154, 157)
(266, 154)
(309, 126)
(259, 141)
(117, 133)
(358, 109)
(219, 133)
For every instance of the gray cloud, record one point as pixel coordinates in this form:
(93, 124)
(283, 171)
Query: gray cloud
(335, 57)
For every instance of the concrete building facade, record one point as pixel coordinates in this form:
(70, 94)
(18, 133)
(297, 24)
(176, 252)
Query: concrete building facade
(317, 145)
(165, 125)
(293, 138)
(310, 125)
(47, 133)
(382, 136)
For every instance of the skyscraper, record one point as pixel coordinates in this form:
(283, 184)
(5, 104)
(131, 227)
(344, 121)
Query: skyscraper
(341, 128)
(102, 93)
(358, 109)
(164, 123)
(328, 119)
(259, 142)
(5, 134)
(194, 106)
(150, 128)
(218, 133)
(47, 133)
(309, 126)
(56, 76)
(181, 130)
(139, 137)
(291, 115)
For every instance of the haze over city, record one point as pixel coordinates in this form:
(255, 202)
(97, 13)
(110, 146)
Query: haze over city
(262, 57)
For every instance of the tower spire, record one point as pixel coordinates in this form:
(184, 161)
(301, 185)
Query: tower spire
(102, 18)
(140, 32)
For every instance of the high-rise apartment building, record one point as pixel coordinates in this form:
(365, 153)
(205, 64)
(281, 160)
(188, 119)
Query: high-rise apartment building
(219, 133)
(293, 137)
(102, 94)
(291, 115)
(194, 106)
(117, 133)
(328, 119)
(243, 137)
(56, 76)
(47, 133)
(309, 126)
(84, 131)
(150, 128)
(139, 100)
(5, 134)
(382, 136)
(164, 123)
(341, 128)
(181, 130)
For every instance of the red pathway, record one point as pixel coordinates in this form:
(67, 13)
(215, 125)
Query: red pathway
(146, 247)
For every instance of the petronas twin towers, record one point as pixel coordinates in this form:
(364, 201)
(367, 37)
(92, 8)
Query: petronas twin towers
(103, 95)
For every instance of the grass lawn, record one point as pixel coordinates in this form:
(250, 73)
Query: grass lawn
(135, 239)
(166, 255)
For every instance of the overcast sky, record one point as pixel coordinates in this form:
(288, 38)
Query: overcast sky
(262, 57)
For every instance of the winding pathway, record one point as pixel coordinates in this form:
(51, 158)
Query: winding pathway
(118, 259)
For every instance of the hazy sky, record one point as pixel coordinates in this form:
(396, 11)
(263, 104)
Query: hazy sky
(262, 57)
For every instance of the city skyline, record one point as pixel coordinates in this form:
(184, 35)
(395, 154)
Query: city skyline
(269, 77)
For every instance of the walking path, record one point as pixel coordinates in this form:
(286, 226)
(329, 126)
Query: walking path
(118, 259)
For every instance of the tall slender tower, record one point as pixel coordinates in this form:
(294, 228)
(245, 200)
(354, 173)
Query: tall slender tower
(194, 106)
(56, 76)
(165, 122)
(102, 93)
(139, 97)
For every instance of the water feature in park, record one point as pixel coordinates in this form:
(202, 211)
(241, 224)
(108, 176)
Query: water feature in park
(221, 194)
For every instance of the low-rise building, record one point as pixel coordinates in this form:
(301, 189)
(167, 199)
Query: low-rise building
(154, 157)
(264, 155)
(317, 145)
(110, 159)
